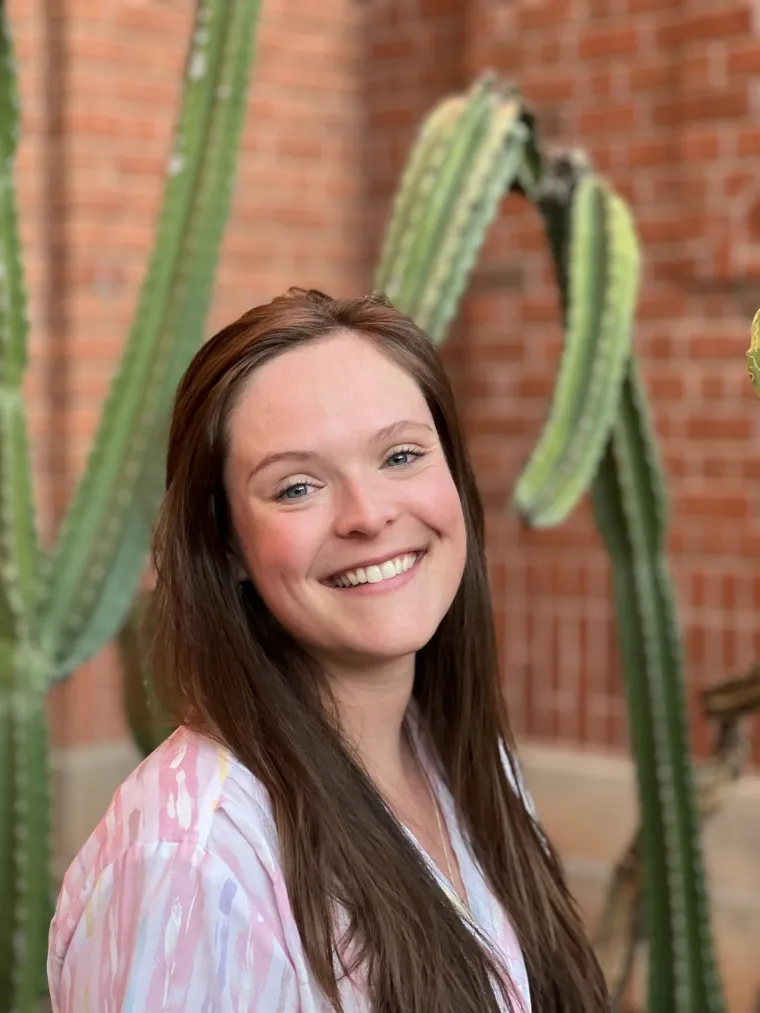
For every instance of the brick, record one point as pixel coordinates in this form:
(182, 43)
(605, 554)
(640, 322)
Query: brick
(698, 144)
(612, 119)
(748, 142)
(745, 59)
(734, 506)
(608, 43)
(644, 154)
(718, 104)
(718, 428)
(717, 346)
(545, 15)
(726, 21)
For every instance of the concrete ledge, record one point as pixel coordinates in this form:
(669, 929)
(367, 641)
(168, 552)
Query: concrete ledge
(83, 782)
(587, 804)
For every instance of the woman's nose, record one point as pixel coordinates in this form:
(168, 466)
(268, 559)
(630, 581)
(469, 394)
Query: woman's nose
(364, 509)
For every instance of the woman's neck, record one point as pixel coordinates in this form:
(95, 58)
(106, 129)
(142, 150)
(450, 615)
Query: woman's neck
(372, 707)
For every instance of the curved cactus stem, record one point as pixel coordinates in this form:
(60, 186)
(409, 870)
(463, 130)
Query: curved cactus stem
(19, 547)
(416, 182)
(629, 505)
(468, 155)
(600, 262)
(122, 485)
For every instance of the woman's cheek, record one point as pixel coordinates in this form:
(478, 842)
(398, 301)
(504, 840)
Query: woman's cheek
(283, 546)
(445, 507)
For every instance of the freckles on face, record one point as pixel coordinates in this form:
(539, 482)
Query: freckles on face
(334, 468)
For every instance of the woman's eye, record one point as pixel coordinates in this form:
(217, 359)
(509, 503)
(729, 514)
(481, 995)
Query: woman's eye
(296, 491)
(401, 457)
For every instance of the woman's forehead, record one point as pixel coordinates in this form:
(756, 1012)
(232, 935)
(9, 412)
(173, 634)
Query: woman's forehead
(324, 390)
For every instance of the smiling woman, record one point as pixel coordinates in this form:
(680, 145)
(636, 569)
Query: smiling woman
(337, 824)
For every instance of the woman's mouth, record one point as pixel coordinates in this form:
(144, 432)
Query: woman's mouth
(377, 573)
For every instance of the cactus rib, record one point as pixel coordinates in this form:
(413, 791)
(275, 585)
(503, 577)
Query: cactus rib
(602, 280)
(627, 497)
(19, 547)
(167, 328)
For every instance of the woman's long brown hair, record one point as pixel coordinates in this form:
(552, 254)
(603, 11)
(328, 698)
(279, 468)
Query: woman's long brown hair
(228, 669)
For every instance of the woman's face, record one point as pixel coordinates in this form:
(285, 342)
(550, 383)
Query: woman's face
(344, 508)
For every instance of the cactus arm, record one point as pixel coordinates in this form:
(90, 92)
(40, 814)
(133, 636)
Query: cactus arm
(629, 505)
(468, 155)
(443, 193)
(416, 182)
(602, 270)
(492, 173)
(753, 354)
(167, 329)
(19, 548)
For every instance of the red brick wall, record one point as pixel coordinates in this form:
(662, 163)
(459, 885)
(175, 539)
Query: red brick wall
(663, 93)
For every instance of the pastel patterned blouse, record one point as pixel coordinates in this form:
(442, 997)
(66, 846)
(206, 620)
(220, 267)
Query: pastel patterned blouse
(177, 902)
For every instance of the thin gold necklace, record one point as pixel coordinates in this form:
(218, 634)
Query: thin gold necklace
(462, 902)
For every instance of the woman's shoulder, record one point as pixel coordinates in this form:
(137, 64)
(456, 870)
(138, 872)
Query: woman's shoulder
(189, 794)
(181, 874)
(179, 791)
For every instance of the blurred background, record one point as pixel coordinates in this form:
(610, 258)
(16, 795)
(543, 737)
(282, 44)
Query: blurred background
(665, 97)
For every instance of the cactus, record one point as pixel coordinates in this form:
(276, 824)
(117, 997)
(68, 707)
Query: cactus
(629, 506)
(57, 610)
(620, 928)
(471, 151)
(602, 264)
(753, 354)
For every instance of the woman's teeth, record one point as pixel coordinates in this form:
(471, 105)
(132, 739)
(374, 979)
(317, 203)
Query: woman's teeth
(374, 574)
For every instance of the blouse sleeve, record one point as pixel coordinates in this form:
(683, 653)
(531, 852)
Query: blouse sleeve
(169, 929)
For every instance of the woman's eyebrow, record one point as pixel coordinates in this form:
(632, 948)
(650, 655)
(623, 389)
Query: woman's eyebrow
(309, 455)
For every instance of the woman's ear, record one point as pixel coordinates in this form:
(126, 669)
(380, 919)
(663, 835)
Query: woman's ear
(239, 571)
(235, 559)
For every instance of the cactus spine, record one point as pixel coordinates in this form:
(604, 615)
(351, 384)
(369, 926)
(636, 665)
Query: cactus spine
(598, 436)
(58, 610)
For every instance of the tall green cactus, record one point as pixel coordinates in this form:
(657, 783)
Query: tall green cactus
(57, 610)
(470, 151)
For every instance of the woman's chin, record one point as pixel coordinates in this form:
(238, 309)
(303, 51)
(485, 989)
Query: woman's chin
(381, 646)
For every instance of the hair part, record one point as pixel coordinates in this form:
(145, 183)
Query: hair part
(227, 668)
